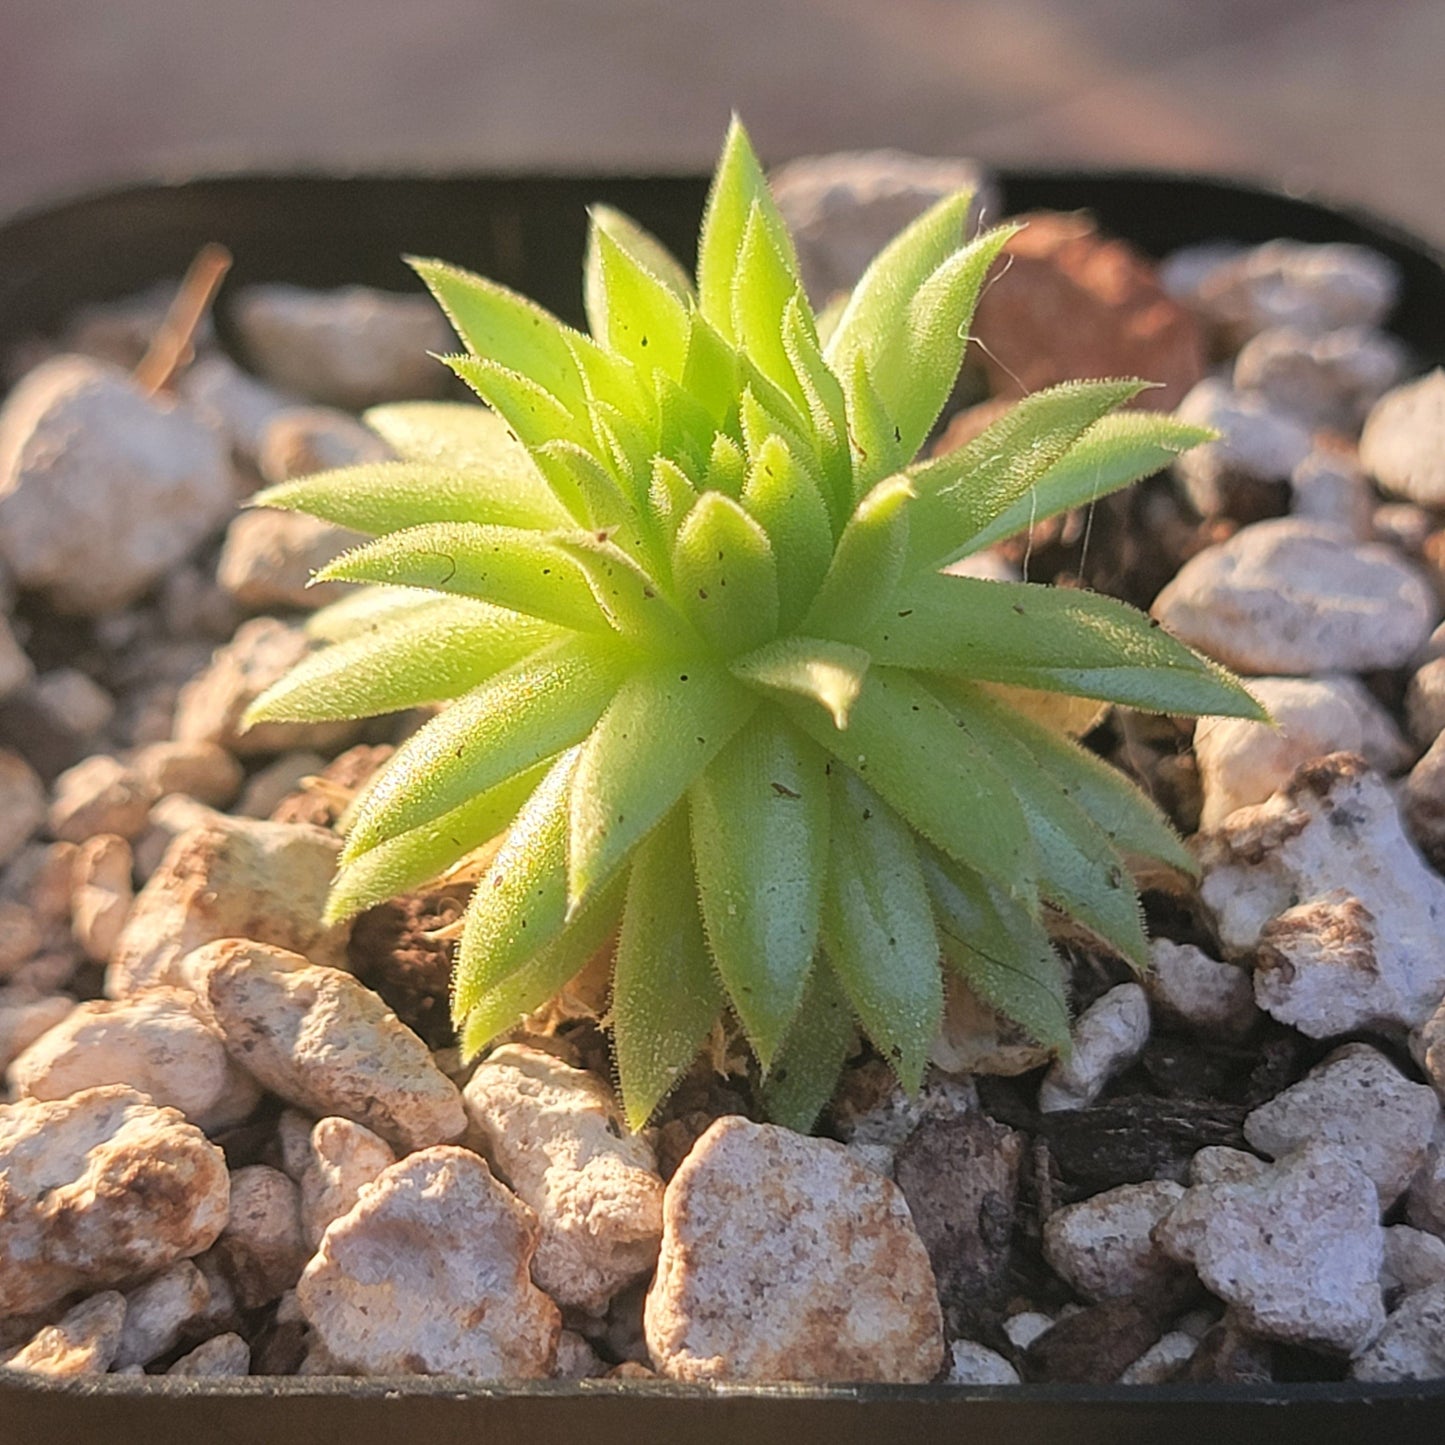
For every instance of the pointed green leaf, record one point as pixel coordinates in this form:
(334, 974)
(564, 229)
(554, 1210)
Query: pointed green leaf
(727, 467)
(1116, 451)
(908, 747)
(1079, 869)
(459, 435)
(725, 575)
(790, 509)
(763, 286)
(665, 995)
(875, 438)
(628, 596)
(738, 185)
(760, 845)
(384, 497)
(826, 406)
(446, 647)
(510, 567)
(588, 490)
(662, 728)
(520, 902)
(813, 668)
(878, 928)
(868, 564)
(532, 412)
(1000, 950)
(914, 349)
(366, 609)
(532, 710)
(961, 493)
(497, 325)
(544, 974)
(415, 857)
(684, 427)
(711, 371)
(671, 496)
(806, 1070)
(1052, 639)
(631, 309)
(644, 248)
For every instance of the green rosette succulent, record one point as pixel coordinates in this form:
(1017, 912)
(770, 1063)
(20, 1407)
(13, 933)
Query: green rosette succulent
(683, 589)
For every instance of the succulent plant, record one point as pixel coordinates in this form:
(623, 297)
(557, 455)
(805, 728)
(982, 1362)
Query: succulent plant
(714, 701)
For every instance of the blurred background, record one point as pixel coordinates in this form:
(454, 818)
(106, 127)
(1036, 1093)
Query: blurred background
(1338, 97)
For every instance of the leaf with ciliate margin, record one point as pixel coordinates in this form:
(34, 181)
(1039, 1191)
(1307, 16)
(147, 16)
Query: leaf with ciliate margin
(365, 609)
(908, 747)
(533, 413)
(543, 975)
(1079, 869)
(738, 185)
(867, 565)
(762, 288)
(644, 248)
(1050, 639)
(724, 572)
(760, 848)
(535, 708)
(664, 725)
(627, 595)
(510, 567)
(383, 497)
(446, 647)
(806, 1070)
(665, 995)
(878, 928)
(631, 310)
(456, 434)
(421, 854)
(727, 467)
(1001, 951)
(811, 668)
(960, 493)
(788, 506)
(826, 405)
(711, 371)
(499, 326)
(520, 903)
(874, 437)
(1115, 452)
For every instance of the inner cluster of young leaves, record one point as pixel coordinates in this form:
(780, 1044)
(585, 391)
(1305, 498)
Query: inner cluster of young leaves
(714, 702)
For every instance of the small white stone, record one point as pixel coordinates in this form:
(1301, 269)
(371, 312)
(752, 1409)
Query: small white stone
(576, 1359)
(310, 439)
(1412, 1344)
(1242, 762)
(100, 795)
(324, 1043)
(211, 706)
(1296, 1252)
(269, 785)
(1427, 1044)
(261, 1248)
(1403, 445)
(175, 814)
(1285, 596)
(784, 1259)
(101, 1188)
(26, 1016)
(74, 697)
(1359, 1101)
(233, 403)
(1414, 1260)
(20, 936)
(350, 348)
(1323, 379)
(22, 803)
(221, 1355)
(203, 771)
(231, 878)
(153, 1041)
(1423, 800)
(157, 1311)
(556, 1135)
(83, 1342)
(1330, 489)
(1342, 915)
(974, 1364)
(1219, 1164)
(1162, 1361)
(974, 1039)
(1103, 1246)
(1425, 1202)
(103, 488)
(428, 1274)
(1025, 1327)
(1107, 1038)
(102, 894)
(1187, 987)
(1257, 444)
(342, 1157)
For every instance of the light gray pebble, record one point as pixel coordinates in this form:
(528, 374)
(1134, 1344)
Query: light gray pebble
(1107, 1038)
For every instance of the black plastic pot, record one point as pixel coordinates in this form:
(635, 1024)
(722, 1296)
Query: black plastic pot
(528, 231)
